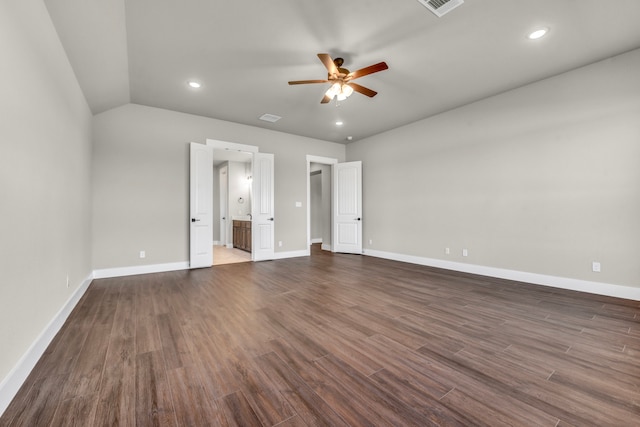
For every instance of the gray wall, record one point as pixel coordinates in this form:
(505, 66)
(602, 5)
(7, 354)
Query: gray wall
(320, 184)
(542, 179)
(315, 192)
(326, 206)
(44, 179)
(140, 182)
(238, 188)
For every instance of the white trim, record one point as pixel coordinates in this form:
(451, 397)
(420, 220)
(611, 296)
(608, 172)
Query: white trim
(320, 159)
(216, 243)
(16, 377)
(139, 269)
(291, 254)
(231, 146)
(316, 240)
(599, 288)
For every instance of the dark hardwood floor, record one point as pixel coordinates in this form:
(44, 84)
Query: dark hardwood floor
(336, 340)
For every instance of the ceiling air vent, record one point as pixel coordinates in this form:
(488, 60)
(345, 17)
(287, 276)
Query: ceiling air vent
(441, 7)
(270, 118)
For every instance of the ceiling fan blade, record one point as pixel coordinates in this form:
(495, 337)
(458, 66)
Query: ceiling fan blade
(325, 100)
(363, 90)
(304, 82)
(380, 66)
(328, 63)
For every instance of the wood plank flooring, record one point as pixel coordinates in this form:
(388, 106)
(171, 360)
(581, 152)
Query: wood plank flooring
(336, 340)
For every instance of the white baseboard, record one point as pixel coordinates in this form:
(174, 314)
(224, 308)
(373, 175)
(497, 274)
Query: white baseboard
(317, 240)
(290, 254)
(139, 269)
(216, 243)
(16, 377)
(608, 289)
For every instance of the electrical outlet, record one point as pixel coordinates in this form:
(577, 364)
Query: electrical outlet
(370, 242)
(143, 254)
(280, 243)
(447, 251)
(465, 252)
(298, 204)
(595, 266)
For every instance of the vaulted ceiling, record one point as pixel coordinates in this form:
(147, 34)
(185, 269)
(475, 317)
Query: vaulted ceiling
(244, 53)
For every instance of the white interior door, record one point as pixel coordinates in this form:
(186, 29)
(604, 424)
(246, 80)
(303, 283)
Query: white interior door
(263, 217)
(347, 207)
(224, 214)
(201, 206)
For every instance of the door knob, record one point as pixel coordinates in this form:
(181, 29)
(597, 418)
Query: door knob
(194, 219)
(358, 219)
(269, 219)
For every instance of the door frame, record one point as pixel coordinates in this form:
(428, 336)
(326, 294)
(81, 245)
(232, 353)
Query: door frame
(323, 161)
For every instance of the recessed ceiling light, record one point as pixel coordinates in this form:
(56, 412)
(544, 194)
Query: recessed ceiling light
(194, 84)
(540, 32)
(339, 123)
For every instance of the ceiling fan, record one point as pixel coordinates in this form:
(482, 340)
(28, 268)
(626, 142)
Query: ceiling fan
(341, 79)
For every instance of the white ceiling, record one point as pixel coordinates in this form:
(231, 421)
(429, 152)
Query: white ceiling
(244, 53)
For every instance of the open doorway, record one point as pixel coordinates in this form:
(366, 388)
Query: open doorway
(232, 200)
(345, 195)
(319, 202)
(320, 205)
(260, 219)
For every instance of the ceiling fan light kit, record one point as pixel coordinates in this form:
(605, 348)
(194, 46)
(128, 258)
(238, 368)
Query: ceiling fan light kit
(341, 79)
(339, 91)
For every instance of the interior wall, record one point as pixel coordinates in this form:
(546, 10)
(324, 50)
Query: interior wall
(222, 171)
(216, 205)
(315, 189)
(45, 153)
(141, 181)
(322, 218)
(326, 206)
(540, 179)
(239, 189)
